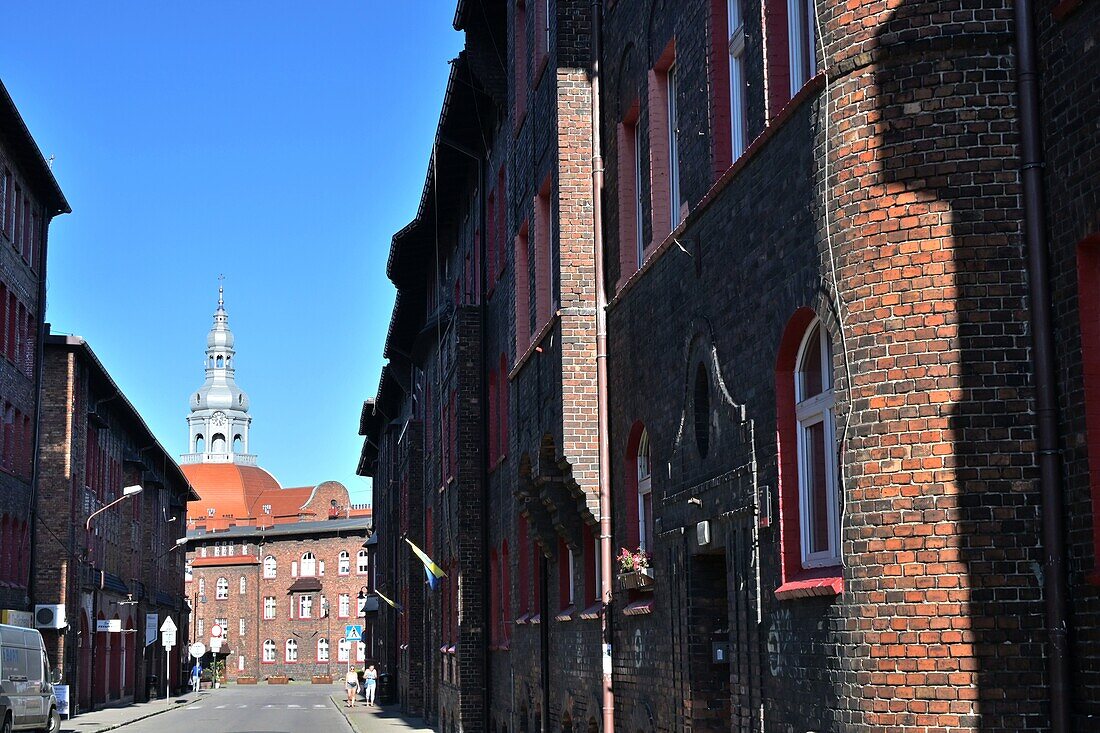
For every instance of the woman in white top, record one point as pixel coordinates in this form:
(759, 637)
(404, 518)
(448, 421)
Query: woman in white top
(371, 677)
(351, 682)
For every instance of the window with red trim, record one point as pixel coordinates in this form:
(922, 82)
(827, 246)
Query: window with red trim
(543, 242)
(494, 598)
(664, 185)
(522, 305)
(543, 13)
(592, 566)
(520, 81)
(637, 467)
(505, 594)
(1088, 294)
(631, 209)
(501, 226)
(13, 333)
(524, 587)
(502, 408)
(566, 575)
(492, 242)
(493, 407)
(809, 491)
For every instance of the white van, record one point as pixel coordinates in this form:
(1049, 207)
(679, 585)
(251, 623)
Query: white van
(27, 701)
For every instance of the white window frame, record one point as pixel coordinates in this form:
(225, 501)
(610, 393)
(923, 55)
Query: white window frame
(801, 37)
(290, 651)
(269, 651)
(200, 628)
(240, 663)
(294, 568)
(240, 628)
(202, 586)
(221, 589)
(362, 563)
(810, 412)
(343, 564)
(322, 650)
(305, 605)
(271, 566)
(360, 651)
(343, 650)
(737, 77)
(271, 607)
(344, 609)
(243, 585)
(645, 489)
(571, 562)
(673, 149)
(308, 568)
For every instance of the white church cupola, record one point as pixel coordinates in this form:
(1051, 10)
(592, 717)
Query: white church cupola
(219, 419)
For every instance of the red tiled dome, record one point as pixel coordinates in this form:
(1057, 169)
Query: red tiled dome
(228, 489)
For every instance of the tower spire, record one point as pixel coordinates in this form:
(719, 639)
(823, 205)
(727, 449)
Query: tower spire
(219, 421)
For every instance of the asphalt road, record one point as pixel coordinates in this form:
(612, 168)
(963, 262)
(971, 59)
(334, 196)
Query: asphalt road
(252, 709)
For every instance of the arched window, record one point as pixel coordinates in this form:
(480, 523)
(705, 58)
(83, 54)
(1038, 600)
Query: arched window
(238, 444)
(243, 585)
(269, 566)
(200, 444)
(809, 505)
(291, 650)
(269, 651)
(343, 650)
(309, 565)
(217, 443)
(643, 466)
(322, 650)
(219, 361)
(817, 464)
(361, 566)
(221, 591)
(343, 566)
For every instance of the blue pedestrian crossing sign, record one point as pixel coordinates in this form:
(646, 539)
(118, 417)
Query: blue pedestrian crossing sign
(353, 632)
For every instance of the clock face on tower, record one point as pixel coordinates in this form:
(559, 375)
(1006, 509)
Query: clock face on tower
(218, 418)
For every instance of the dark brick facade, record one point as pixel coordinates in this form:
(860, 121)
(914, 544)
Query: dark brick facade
(880, 199)
(93, 443)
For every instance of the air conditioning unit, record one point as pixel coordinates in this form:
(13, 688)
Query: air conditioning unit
(49, 616)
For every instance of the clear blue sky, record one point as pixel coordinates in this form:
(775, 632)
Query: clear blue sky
(280, 143)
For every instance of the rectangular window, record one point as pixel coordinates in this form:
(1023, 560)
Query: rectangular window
(544, 241)
(291, 650)
(200, 628)
(501, 228)
(591, 566)
(1088, 290)
(629, 172)
(344, 607)
(802, 37)
(522, 275)
(305, 606)
(361, 563)
(240, 663)
(240, 630)
(524, 567)
(565, 575)
(519, 34)
(738, 95)
(322, 650)
(542, 35)
(343, 649)
(5, 185)
(664, 209)
(269, 607)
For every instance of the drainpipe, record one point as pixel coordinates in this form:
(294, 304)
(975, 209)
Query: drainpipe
(607, 694)
(1046, 401)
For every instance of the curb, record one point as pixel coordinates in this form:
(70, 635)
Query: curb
(340, 709)
(113, 726)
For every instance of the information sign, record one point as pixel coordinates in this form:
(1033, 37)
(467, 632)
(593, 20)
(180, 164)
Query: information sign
(353, 632)
(61, 692)
(152, 621)
(197, 650)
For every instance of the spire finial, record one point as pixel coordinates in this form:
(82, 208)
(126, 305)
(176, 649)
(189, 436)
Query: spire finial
(221, 291)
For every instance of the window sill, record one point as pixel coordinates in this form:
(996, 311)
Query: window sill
(639, 608)
(566, 614)
(592, 612)
(534, 347)
(821, 583)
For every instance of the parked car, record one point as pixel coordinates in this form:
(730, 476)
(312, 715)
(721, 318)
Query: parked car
(27, 700)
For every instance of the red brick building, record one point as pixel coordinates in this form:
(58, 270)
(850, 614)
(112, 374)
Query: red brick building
(847, 257)
(126, 571)
(29, 199)
(257, 553)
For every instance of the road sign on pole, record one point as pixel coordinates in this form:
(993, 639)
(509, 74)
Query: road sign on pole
(353, 632)
(197, 650)
(215, 631)
(168, 633)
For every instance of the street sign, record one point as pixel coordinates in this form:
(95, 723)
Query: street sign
(215, 631)
(197, 650)
(152, 620)
(353, 632)
(111, 625)
(216, 644)
(168, 625)
(168, 639)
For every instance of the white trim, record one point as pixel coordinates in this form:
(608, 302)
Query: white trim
(639, 208)
(737, 78)
(801, 38)
(673, 149)
(644, 465)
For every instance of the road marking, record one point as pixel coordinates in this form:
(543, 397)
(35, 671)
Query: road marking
(294, 706)
(321, 706)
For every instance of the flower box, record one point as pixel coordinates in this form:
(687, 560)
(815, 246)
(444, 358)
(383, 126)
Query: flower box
(639, 579)
(276, 680)
(321, 679)
(246, 680)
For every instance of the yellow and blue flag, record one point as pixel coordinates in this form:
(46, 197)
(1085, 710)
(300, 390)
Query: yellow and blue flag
(397, 606)
(433, 572)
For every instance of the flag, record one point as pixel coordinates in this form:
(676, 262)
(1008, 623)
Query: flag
(432, 571)
(399, 608)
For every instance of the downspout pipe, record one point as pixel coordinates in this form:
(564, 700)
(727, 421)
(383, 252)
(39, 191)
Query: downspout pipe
(1046, 401)
(607, 693)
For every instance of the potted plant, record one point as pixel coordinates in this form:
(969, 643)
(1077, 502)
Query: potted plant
(635, 569)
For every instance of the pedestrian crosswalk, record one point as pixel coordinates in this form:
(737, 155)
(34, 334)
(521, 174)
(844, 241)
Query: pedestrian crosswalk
(265, 706)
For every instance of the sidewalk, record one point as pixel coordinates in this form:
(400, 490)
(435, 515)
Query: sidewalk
(111, 718)
(365, 719)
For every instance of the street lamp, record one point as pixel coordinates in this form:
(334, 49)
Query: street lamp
(127, 492)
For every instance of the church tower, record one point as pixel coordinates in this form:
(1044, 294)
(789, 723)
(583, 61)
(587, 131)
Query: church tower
(219, 419)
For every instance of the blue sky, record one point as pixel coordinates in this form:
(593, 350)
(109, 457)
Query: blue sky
(278, 143)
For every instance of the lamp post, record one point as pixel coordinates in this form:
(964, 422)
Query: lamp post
(127, 492)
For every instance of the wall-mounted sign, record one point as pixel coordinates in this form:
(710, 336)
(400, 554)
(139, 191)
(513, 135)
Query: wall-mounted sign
(110, 625)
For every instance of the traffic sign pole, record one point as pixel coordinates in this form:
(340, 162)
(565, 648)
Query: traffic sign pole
(168, 640)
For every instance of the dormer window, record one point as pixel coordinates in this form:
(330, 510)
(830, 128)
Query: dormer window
(210, 512)
(267, 509)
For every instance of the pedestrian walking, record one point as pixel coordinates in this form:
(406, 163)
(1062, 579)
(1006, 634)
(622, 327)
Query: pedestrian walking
(371, 678)
(196, 676)
(351, 682)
